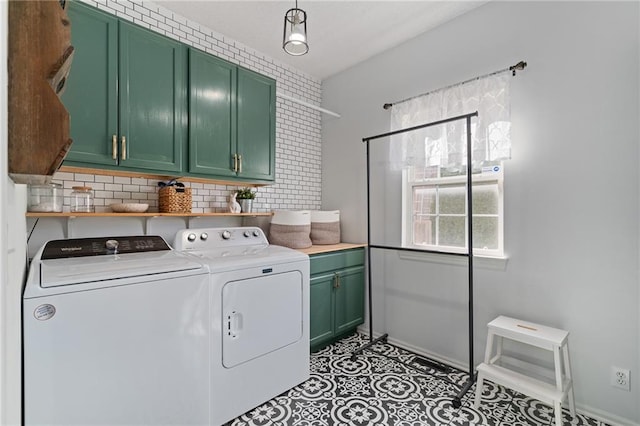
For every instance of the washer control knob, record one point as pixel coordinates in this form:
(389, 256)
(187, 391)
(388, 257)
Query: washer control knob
(112, 244)
(226, 235)
(204, 236)
(191, 237)
(247, 234)
(256, 233)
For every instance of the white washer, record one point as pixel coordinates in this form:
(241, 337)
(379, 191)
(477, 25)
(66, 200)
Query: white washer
(260, 316)
(116, 333)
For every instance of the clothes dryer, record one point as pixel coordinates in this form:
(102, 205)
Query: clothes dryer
(259, 316)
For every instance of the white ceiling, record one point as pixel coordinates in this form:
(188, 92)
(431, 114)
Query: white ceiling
(341, 33)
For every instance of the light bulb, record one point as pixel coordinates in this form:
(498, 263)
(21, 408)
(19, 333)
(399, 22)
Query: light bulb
(297, 37)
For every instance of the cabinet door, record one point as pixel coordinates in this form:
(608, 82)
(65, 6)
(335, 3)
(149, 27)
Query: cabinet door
(91, 91)
(152, 100)
(349, 297)
(321, 311)
(212, 115)
(256, 125)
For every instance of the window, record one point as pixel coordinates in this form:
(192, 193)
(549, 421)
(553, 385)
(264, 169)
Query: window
(433, 161)
(435, 209)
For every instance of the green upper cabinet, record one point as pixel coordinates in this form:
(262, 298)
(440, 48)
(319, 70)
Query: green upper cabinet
(91, 94)
(126, 95)
(152, 100)
(212, 115)
(256, 125)
(231, 120)
(138, 103)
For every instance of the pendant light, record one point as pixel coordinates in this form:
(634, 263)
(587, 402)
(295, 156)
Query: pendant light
(294, 39)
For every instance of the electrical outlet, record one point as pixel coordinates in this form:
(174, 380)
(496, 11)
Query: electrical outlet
(620, 378)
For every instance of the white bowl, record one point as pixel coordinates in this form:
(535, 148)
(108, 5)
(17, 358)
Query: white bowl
(129, 207)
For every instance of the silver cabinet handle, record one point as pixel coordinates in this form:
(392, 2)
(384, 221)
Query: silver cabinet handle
(124, 148)
(114, 147)
(240, 161)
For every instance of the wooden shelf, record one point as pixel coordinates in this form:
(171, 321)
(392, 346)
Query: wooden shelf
(317, 249)
(148, 214)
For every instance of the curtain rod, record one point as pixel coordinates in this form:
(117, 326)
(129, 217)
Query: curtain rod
(513, 68)
(307, 104)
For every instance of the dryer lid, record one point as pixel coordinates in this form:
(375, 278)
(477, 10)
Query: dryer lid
(225, 259)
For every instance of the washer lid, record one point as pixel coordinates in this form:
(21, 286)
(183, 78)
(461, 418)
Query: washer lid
(60, 272)
(77, 270)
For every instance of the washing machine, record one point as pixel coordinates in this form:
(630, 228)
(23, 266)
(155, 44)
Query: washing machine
(116, 332)
(260, 316)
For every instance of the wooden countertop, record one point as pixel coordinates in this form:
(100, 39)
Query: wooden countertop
(330, 247)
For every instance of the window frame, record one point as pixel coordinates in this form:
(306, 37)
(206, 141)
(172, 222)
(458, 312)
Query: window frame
(480, 177)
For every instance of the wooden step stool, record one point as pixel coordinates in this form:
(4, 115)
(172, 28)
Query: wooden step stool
(548, 338)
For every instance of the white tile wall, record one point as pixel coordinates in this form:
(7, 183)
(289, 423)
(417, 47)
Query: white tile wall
(298, 150)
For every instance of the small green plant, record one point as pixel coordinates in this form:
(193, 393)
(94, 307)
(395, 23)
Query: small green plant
(245, 194)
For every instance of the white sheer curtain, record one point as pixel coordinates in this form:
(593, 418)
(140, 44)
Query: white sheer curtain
(445, 145)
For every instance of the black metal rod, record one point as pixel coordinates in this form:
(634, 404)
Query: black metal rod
(470, 243)
(467, 386)
(421, 126)
(415, 250)
(469, 254)
(513, 68)
(372, 342)
(369, 278)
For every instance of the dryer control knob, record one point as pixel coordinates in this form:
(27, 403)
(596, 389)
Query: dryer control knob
(204, 236)
(247, 234)
(256, 233)
(226, 235)
(191, 237)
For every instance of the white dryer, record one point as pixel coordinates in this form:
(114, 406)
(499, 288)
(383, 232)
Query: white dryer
(115, 333)
(260, 316)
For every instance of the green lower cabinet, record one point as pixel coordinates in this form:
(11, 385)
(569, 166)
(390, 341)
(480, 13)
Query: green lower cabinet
(337, 295)
(322, 310)
(349, 300)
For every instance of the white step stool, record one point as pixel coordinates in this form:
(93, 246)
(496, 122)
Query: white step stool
(548, 338)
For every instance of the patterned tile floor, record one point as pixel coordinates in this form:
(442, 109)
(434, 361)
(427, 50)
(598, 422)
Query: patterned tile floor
(381, 391)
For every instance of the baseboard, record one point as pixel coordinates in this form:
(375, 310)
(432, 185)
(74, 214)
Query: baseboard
(594, 413)
(605, 416)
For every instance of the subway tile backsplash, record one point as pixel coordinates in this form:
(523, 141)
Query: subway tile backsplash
(298, 140)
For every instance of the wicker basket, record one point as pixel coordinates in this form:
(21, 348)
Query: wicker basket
(174, 199)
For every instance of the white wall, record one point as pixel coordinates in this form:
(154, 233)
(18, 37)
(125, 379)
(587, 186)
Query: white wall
(571, 189)
(12, 261)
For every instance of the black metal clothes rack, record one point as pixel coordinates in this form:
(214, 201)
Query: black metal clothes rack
(433, 364)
